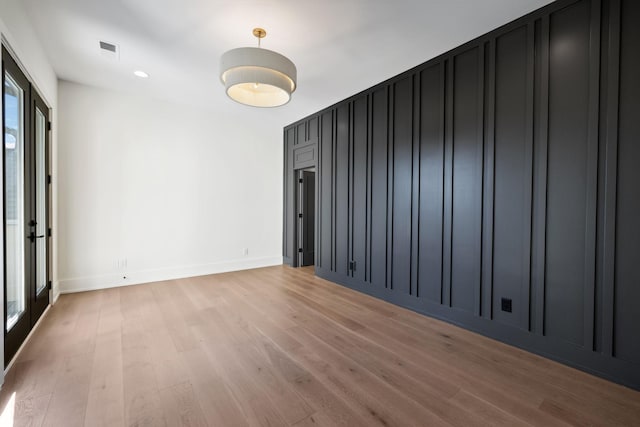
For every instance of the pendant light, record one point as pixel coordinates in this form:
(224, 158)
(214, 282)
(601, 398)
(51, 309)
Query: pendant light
(257, 77)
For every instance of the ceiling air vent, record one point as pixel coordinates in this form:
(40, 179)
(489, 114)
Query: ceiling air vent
(108, 46)
(109, 50)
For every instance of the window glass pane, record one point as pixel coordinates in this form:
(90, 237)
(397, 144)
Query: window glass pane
(41, 208)
(14, 199)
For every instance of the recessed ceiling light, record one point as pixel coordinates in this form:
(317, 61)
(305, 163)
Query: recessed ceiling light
(141, 74)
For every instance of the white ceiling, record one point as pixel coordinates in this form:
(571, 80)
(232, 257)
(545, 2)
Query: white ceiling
(340, 47)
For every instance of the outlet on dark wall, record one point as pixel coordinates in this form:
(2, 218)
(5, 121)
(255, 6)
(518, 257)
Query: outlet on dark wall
(507, 305)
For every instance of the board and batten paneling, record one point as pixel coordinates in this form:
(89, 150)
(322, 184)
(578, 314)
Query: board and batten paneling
(341, 190)
(627, 249)
(431, 171)
(567, 173)
(324, 210)
(402, 149)
(466, 177)
(359, 185)
(512, 175)
(496, 186)
(379, 179)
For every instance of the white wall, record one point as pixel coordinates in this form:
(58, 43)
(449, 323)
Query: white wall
(19, 36)
(152, 190)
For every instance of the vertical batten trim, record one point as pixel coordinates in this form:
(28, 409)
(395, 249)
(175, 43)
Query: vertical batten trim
(350, 185)
(448, 183)
(390, 176)
(368, 204)
(489, 186)
(611, 184)
(592, 175)
(525, 319)
(541, 193)
(415, 196)
(442, 138)
(318, 213)
(334, 131)
(477, 290)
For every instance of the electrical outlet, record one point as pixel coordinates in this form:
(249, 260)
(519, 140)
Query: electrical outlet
(245, 251)
(507, 305)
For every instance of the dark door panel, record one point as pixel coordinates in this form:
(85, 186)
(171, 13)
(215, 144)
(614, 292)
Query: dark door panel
(307, 217)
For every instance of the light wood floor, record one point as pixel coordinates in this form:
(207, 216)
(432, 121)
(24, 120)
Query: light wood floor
(277, 347)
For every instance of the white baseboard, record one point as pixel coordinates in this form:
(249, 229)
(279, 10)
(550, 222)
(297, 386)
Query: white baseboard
(115, 280)
(56, 295)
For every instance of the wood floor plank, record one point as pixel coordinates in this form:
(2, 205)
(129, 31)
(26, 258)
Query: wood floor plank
(574, 418)
(105, 406)
(68, 402)
(485, 413)
(330, 409)
(253, 399)
(34, 378)
(31, 411)
(142, 403)
(173, 305)
(180, 406)
(271, 324)
(245, 389)
(8, 392)
(357, 385)
(278, 346)
(241, 346)
(423, 369)
(218, 404)
(316, 419)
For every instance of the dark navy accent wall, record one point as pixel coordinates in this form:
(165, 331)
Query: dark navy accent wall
(496, 186)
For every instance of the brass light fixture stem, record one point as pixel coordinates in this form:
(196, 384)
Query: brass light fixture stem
(260, 33)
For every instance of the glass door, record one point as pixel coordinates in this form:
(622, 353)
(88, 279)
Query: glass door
(25, 140)
(15, 101)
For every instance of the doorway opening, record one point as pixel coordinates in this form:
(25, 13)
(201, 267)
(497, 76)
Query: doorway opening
(306, 216)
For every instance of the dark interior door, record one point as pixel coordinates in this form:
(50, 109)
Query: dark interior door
(25, 195)
(306, 218)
